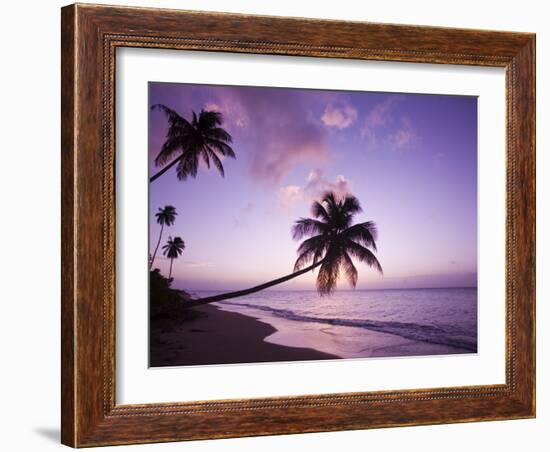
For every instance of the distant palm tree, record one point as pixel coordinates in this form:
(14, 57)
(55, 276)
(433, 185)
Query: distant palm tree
(187, 142)
(172, 250)
(333, 241)
(165, 217)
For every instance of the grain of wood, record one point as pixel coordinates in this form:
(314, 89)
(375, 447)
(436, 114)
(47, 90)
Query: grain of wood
(90, 36)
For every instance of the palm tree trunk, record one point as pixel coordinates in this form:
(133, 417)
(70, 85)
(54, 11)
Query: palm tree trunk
(156, 248)
(240, 293)
(166, 168)
(171, 262)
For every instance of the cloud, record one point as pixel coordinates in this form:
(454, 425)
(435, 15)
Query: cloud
(339, 117)
(315, 186)
(380, 115)
(381, 126)
(404, 136)
(278, 126)
(179, 262)
(274, 130)
(212, 106)
(197, 264)
(288, 196)
(232, 114)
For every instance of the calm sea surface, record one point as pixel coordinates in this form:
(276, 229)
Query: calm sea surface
(363, 323)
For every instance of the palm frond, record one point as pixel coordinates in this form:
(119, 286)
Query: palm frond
(330, 201)
(351, 205)
(319, 211)
(171, 147)
(349, 269)
(219, 134)
(174, 119)
(364, 233)
(179, 244)
(363, 255)
(224, 148)
(188, 166)
(209, 119)
(310, 249)
(329, 272)
(308, 226)
(217, 162)
(205, 156)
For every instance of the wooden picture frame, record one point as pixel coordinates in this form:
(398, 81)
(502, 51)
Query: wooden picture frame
(90, 36)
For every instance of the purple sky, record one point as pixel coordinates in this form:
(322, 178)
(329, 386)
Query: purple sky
(410, 159)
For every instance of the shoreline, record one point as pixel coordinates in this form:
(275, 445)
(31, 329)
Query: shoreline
(341, 340)
(210, 335)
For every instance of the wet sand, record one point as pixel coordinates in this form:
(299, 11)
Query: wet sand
(208, 335)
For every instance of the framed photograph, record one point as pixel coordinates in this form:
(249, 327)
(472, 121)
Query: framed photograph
(278, 225)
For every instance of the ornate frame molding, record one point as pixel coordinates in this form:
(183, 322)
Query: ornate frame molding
(90, 37)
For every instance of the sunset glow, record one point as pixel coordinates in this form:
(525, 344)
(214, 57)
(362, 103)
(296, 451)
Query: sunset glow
(410, 159)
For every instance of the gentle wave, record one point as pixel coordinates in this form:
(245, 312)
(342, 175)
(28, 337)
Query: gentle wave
(449, 336)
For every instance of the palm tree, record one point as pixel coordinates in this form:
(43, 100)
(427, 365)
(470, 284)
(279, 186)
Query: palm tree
(165, 217)
(333, 241)
(187, 142)
(172, 250)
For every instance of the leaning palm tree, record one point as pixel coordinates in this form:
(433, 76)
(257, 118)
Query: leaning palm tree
(172, 250)
(333, 241)
(165, 217)
(189, 141)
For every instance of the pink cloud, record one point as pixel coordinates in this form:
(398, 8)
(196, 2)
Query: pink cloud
(404, 136)
(288, 196)
(315, 186)
(232, 113)
(380, 115)
(339, 117)
(281, 131)
(197, 264)
(401, 133)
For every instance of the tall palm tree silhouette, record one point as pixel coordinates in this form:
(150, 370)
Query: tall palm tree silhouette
(187, 142)
(165, 217)
(172, 250)
(333, 241)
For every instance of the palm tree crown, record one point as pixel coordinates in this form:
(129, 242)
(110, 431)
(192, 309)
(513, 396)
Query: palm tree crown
(334, 240)
(166, 216)
(187, 142)
(173, 249)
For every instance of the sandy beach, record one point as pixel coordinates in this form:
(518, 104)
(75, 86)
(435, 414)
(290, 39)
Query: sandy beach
(207, 335)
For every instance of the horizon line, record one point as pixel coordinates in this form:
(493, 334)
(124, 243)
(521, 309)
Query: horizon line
(337, 290)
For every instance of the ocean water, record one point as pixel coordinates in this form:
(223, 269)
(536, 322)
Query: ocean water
(368, 323)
